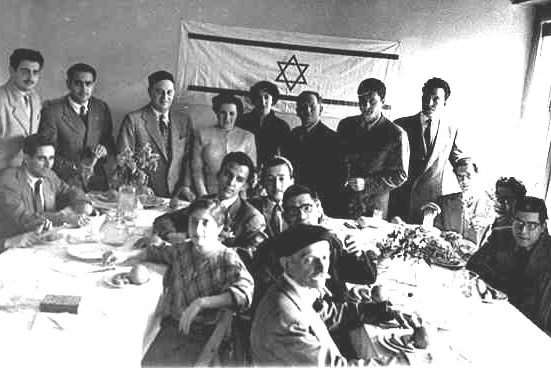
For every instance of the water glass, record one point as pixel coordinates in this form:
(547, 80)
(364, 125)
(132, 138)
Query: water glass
(127, 202)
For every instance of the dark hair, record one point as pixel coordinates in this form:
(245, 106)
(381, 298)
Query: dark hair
(227, 98)
(33, 141)
(276, 161)
(466, 161)
(158, 76)
(212, 206)
(515, 185)
(372, 84)
(296, 190)
(242, 159)
(266, 86)
(80, 68)
(434, 83)
(19, 55)
(532, 204)
(303, 95)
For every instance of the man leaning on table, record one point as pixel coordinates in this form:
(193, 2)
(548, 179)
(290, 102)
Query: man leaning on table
(32, 194)
(20, 105)
(517, 260)
(169, 131)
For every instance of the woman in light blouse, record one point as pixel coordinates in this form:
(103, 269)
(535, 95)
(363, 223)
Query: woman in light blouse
(213, 143)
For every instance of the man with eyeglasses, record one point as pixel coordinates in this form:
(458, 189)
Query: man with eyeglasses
(517, 260)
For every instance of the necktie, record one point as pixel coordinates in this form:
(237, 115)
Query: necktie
(427, 135)
(37, 196)
(165, 133)
(28, 110)
(276, 222)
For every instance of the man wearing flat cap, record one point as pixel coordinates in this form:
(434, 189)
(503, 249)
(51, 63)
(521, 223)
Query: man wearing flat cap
(286, 329)
(168, 131)
(374, 154)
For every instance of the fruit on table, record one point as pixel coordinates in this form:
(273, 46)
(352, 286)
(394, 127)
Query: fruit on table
(139, 274)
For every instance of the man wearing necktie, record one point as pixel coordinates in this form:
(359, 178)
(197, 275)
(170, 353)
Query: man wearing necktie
(33, 194)
(81, 128)
(168, 131)
(517, 261)
(276, 177)
(20, 105)
(433, 142)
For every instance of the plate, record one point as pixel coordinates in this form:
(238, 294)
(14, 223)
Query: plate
(459, 264)
(86, 251)
(152, 202)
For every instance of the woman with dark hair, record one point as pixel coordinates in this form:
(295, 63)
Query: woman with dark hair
(214, 142)
(204, 276)
(270, 132)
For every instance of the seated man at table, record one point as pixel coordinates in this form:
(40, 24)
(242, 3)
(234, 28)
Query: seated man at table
(468, 212)
(276, 177)
(204, 276)
(243, 224)
(301, 207)
(517, 260)
(32, 193)
(286, 328)
(509, 191)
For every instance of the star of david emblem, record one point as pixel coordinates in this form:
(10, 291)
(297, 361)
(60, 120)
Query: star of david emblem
(291, 69)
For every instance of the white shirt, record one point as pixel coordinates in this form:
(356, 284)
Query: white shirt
(306, 294)
(158, 116)
(226, 203)
(77, 106)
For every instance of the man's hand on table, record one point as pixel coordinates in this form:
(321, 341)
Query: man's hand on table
(355, 245)
(188, 315)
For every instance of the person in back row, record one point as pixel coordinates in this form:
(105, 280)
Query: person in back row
(375, 154)
(433, 142)
(313, 149)
(20, 105)
(270, 132)
(168, 131)
(80, 127)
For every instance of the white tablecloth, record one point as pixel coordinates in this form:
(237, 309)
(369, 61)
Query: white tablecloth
(113, 327)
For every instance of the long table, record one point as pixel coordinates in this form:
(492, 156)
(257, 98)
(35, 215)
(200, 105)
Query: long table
(113, 327)
(463, 330)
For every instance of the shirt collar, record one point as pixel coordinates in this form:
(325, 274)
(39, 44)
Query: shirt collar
(425, 118)
(31, 179)
(227, 203)
(158, 115)
(76, 106)
(308, 295)
(311, 127)
(19, 92)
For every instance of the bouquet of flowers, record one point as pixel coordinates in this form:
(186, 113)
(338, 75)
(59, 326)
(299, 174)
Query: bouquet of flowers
(134, 168)
(416, 243)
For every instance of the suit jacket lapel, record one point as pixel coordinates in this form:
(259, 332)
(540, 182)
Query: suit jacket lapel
(175, 133)
(18, 110)
(152, 127)
(28, 196)
(439, 140)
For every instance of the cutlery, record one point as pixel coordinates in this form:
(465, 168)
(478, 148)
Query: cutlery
(55, 323)
(103, 269)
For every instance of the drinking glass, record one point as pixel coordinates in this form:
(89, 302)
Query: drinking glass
(127, 202)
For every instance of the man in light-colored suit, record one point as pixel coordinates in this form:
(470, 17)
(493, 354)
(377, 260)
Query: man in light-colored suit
(20, 105)
(80, 126)
(33, 193)
(168, 131)
(433, 142)
(286, 329)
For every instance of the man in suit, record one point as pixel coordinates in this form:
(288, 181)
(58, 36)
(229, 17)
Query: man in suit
(243, 225)
(433, 142)
(33, 193)
(20, 105)
(375, 154)
(80, 125)
(276, 177)
(170, 134)
(313, 149)
(517, 260)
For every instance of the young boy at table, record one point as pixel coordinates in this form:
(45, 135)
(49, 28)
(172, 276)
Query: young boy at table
(203, 277)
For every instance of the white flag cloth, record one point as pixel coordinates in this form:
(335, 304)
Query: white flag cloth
(214, 59)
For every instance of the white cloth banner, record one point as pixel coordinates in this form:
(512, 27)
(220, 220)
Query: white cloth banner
(214, 59)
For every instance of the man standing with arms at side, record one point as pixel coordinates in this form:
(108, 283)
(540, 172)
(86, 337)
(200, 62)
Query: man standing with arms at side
(433, 141)
(168, 131)
(79, 124)
(313, 149)
(20, 105)
(375, 154)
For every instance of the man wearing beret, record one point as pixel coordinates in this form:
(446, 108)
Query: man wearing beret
(286, 329)
(168, 131)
